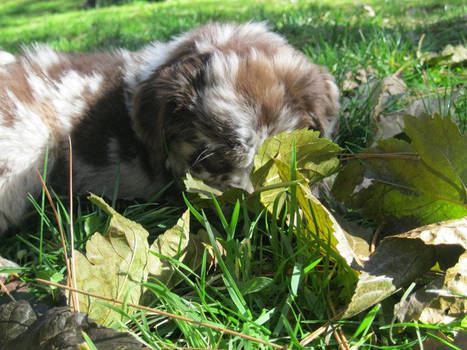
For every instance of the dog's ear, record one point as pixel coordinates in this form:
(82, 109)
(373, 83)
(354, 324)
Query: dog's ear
(321, 100)
(163, 102)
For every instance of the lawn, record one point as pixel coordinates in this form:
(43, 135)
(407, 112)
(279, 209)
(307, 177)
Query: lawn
(261, 275)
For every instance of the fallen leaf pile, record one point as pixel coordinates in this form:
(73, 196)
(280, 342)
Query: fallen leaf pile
(118, 261)
(414, 187)
(402, 185)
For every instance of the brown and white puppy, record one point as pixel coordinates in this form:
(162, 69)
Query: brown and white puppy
(203, 102)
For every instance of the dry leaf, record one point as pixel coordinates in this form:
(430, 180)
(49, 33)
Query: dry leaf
(362, 75)
(450, 56)
(172, 243)
(384, 91)
(392, 124)
(369, 11)
(400, 259)
(443, 300)
(348, 85)
(114, 265)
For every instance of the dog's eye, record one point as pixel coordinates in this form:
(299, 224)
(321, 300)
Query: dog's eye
(216, 165)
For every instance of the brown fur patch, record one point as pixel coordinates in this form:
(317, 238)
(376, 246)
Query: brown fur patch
(16, 83)
(162, 103)
(300, 85)
(257, 81)
(4, 170)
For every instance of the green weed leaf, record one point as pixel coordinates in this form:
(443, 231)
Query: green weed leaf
(421, 182)
(322, 224)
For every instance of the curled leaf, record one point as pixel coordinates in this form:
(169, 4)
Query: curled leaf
(401, 259)
(172, 243)
(450, 56)
(444, 299)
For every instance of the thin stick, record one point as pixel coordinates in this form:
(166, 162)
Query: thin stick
(375, 238)
(338, 333)
(72, 233)
(309, 338)
(5, 290)
(60, 229)
(339, 340)
(163, 313)
(406, 156)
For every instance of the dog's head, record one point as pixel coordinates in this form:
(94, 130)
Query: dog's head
(219, 92)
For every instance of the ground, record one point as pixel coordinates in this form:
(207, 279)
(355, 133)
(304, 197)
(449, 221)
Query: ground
(277, 288)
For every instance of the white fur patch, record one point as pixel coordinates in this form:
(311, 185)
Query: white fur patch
(6, 57)
(35, 125)
(57, 96)
(23, 146)
(41, 55)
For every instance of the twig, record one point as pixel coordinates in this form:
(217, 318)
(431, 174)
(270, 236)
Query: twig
(72, 233)
(309, 338)
(5, 290)
(338, 333)
(164, 313)
(402, 155)
(375, 238)
(341, 341)
(60, 229)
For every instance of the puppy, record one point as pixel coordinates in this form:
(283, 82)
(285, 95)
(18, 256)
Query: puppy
(203, 102)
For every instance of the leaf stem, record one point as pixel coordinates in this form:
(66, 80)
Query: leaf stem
(402, 155)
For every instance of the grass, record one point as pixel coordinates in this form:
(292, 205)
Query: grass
(272, 281)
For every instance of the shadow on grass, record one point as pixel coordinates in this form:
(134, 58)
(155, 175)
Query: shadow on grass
(438, 35)
(312, 25)
(34, 8)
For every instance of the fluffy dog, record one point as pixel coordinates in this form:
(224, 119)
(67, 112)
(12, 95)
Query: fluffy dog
(203, 102)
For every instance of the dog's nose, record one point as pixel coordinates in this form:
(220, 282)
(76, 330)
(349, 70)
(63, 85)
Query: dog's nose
(246, 185)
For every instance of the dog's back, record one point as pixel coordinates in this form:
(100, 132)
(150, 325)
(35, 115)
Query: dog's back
(202, 103)
(47, 96)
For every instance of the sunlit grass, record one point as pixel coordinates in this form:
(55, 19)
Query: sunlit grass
(293, 282)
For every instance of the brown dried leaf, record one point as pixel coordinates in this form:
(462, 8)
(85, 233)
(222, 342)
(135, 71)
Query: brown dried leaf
(389, 125)
(400, 259)
(384, 91)
(450, 56)
(114, 265)
(173, 244)
(369, 11)
(348, 85)
(444, 299)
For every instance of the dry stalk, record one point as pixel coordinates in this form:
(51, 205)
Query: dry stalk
(402, 155)
(164, 313)
(309, 338)
(338, 333)
(72, 234)
(375, 237)
(62, 236)
(5, 290)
